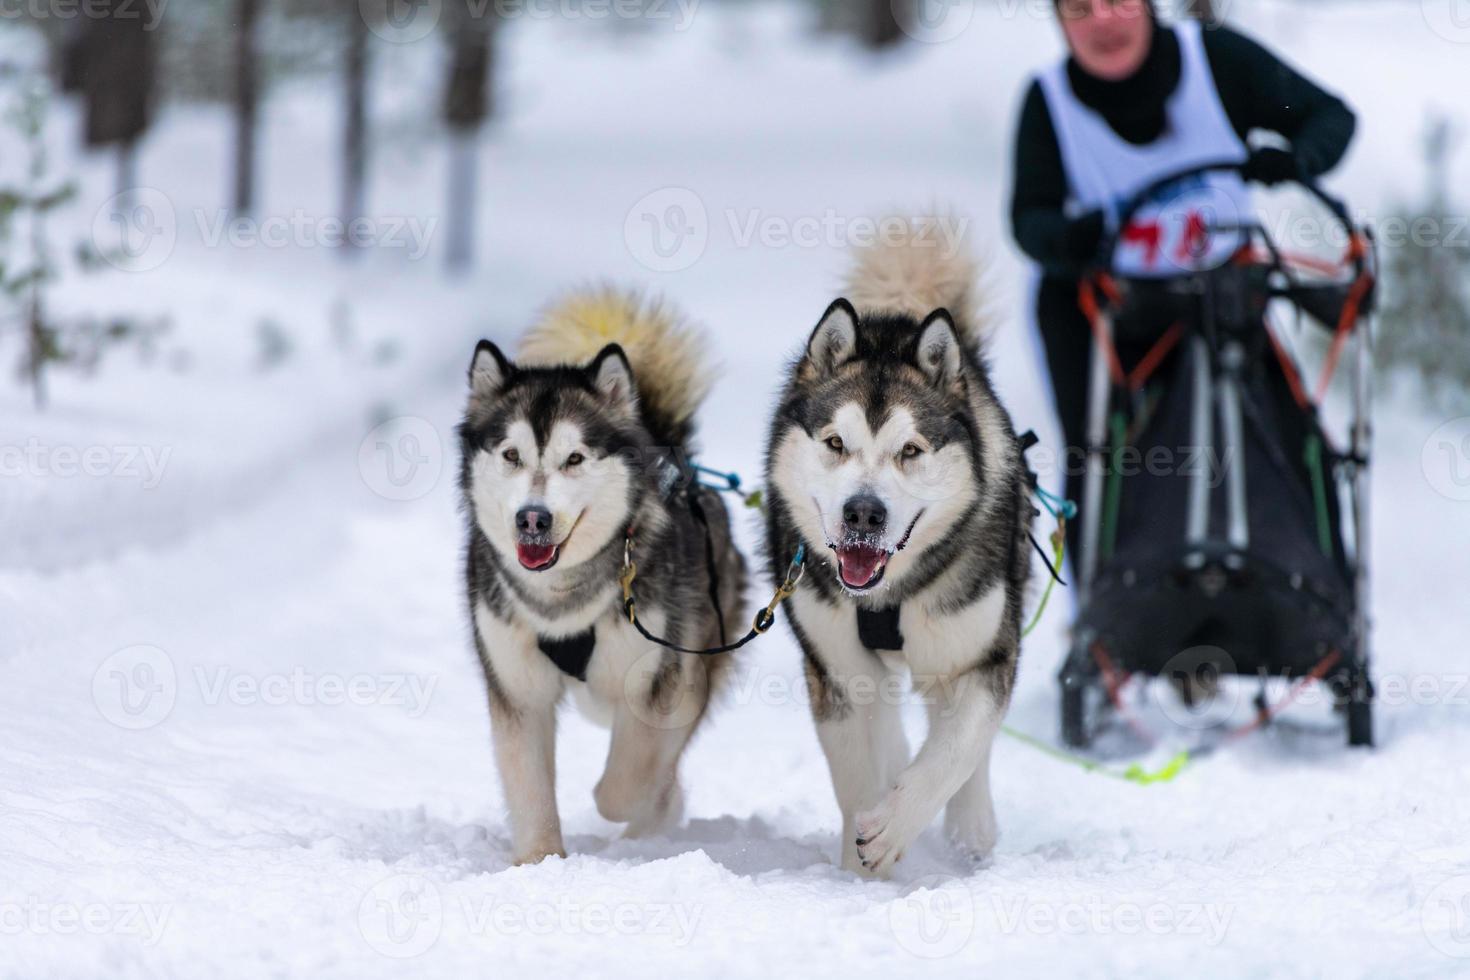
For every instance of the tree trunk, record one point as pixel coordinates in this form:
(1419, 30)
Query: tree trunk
(354, 130)
(245, 106)
(37, 342)
(467, 103)
(116, 70)
(880, 27)
(127, 178)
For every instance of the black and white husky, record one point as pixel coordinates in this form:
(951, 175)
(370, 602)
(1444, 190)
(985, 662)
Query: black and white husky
(569, 454)
(892, 461)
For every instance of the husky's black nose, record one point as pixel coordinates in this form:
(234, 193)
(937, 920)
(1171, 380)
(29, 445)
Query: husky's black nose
(533, 520)
(864, 514)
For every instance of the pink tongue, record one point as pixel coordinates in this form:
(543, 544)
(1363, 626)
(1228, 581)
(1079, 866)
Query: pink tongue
(859, 565)
(535, 555)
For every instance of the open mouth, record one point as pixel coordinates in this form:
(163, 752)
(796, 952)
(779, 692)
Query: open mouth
(537, 554)
(861, 564)
(537, 557)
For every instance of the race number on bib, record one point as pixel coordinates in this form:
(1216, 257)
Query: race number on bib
(1189, 227)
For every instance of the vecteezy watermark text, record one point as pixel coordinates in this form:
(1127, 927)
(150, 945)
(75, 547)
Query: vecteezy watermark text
(149, 11)
(145, 464)
(36, 917)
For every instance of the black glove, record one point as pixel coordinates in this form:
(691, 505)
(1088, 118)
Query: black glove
(1082, 237)
(1271, 166)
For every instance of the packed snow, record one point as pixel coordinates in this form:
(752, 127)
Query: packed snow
(243, 732)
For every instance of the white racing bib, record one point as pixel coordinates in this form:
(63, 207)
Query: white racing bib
(1193, 225)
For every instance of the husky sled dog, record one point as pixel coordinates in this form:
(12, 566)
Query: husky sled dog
(574, 451)
(891, 460)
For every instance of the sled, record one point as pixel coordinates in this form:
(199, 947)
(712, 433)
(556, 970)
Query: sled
(1251, 557)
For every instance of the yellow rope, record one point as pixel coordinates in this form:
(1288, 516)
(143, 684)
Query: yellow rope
(1059, 546)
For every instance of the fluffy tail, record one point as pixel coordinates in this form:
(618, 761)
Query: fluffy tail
(916, 267)
(669, 354)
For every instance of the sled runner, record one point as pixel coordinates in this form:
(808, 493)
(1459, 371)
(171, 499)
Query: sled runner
(1223, 531)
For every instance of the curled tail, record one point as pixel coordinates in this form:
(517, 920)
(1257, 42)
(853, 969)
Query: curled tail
(668, 353)
(916, 267)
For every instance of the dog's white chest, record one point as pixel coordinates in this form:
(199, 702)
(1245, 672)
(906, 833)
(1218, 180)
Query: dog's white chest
(940, 642)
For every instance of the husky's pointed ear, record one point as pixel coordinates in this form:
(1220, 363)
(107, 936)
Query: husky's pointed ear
(612, 375)
(938, 353)
(834, 339)
(490, 370)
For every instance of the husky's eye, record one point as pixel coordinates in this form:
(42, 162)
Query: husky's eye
(512, 456)
(834, 443)
(575, 459)
(910, 450)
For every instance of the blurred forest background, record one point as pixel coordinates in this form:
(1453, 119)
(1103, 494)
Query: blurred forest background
(122, 62)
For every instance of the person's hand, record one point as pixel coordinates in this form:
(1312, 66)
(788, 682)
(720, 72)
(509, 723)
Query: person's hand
(1083, 236)
(1271, 166)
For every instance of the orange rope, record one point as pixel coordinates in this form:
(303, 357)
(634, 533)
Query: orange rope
(1155, 356)
(1113, 680)
(1316, 674)
(1087, 300)
(1345, 324)
(1288, 367)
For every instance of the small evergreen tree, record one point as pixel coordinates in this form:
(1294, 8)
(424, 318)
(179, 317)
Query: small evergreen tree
(1426, 285)
(28, 263)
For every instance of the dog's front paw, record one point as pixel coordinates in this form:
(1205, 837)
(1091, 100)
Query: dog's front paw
(880, 837)
(535, 855)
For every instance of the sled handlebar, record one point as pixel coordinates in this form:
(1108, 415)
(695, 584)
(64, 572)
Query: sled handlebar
(1107, 252)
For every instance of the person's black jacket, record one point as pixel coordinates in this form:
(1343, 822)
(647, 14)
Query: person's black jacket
(1257, 89)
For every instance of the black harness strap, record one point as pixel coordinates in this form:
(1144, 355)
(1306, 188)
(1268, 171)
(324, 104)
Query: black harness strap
(697, 509)
(878, 628)
(571, 654)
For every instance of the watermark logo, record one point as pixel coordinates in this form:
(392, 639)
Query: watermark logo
(1449, 19)
(935, 918)
(136, 229)
(666, 696)
(1446, 917)
(1197, 697)
(1445, 459)
(402, 916)
(136, 687)
(401, 21)
(667, 230)
(933, 21)
(401, 459)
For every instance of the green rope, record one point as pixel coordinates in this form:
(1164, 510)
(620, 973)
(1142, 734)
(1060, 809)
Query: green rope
(1059, 541)
(1133, 774)
(1118, 425)
(1312, 454)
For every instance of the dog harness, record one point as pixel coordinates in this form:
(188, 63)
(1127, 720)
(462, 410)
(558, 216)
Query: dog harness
(571, 654)
(878, 628)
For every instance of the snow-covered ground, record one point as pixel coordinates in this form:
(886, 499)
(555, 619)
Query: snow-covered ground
(241, 729)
